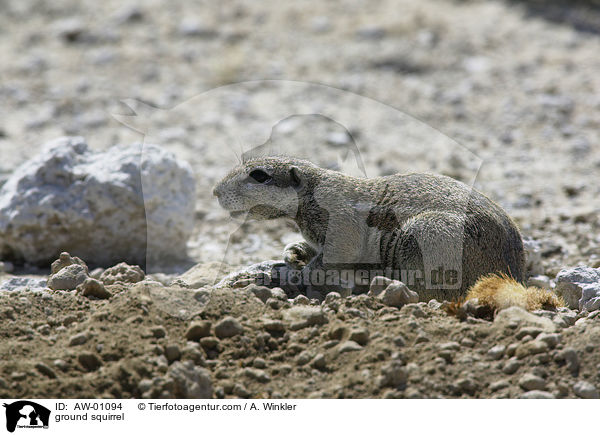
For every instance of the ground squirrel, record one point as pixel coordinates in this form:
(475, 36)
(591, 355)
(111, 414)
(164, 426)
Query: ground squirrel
(435, 233)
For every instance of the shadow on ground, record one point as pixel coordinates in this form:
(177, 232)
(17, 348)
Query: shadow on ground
(581, 15)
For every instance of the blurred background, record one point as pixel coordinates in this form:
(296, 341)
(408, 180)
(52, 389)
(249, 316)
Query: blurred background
(515, 83)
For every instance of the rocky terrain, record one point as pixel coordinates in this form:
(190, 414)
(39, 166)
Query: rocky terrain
(502, 95)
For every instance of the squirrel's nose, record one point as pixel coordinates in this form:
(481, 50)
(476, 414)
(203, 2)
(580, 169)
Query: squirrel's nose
(217, 190)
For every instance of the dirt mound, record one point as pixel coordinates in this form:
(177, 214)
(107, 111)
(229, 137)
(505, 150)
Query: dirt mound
(62, 344)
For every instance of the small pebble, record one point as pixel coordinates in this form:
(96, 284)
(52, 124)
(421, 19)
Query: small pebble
(158, 331)
(532, 347)
(586, 390)
(278, 293)
(467, 386)
(172, 352)
(511, 366)
(393, 374)
(45, 370)
(259, 363)
(198, 330)
(209, 343)
(332, 297)
(61, 365)
(499, 385)
(530, 382)
(359, 335)
(304, 358)
(536, 394)
(569, 356)
(451, 345)
(528, 330)
(319, 362)
(95, 288)
(550, 339)
(301, 300)
(273, 326)
(78, 339)
(497, 352)
(421, 338)
(228, 327)
(89, 361)
(349, 346)
(257, 375)
(399, 341)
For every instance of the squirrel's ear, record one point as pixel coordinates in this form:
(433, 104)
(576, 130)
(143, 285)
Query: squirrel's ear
(295, 179)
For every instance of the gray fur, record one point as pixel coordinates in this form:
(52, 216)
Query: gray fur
(415, 222)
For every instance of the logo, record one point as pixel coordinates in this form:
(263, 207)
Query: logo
(26, 414)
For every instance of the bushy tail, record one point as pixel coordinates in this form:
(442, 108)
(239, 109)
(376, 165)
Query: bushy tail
(500, 291)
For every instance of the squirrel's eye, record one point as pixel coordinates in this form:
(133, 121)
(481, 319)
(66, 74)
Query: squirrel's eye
(260, 176)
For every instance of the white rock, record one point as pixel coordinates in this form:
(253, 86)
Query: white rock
(396, 294)
(69, 198)
(580, 287)
(20, 283)
(68, 278)
(585, 390)
(592, 304)
(517, 314)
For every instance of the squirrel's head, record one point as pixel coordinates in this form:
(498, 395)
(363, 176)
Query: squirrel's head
(265, 188)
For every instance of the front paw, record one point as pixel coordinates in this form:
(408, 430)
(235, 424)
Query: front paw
(296, 256)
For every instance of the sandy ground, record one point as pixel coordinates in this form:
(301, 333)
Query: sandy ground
(503, 95)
